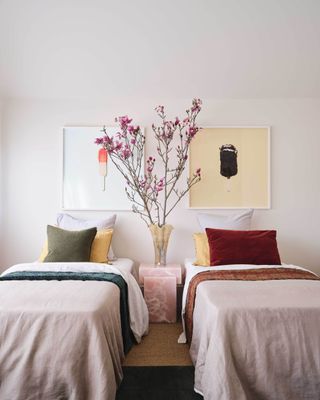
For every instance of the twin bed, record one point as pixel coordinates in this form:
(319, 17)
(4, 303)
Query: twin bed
(253, 331)
(65, 329)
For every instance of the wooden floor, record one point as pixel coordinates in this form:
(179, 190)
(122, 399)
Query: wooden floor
(160, 348)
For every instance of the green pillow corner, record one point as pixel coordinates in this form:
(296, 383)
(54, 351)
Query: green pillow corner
(69, 246)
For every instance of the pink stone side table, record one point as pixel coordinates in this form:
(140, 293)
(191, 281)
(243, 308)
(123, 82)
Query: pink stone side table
(154, 270)
(160, 290)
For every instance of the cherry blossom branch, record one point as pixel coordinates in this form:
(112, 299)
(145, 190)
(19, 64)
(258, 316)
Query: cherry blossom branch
(149, 194)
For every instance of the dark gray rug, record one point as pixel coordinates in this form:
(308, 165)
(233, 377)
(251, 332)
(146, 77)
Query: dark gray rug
(157, 383)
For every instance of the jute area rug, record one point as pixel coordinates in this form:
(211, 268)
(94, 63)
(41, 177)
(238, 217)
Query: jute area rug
(158, 368)
(160, 348)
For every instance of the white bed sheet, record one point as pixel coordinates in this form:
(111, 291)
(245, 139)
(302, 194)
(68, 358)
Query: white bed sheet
(138, 311)
(84, 315)
(235, 353)
(123, 264)
(191, 270)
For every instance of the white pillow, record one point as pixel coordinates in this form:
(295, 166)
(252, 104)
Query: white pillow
(66, 221)
(237, 221)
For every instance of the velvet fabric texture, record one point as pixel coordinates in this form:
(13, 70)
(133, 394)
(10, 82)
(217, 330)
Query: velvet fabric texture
(243, 247)
(99, 249)
(66, 221)
(69, 246)
(202, 249)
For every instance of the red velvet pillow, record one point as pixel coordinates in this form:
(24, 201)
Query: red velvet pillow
(243, 247)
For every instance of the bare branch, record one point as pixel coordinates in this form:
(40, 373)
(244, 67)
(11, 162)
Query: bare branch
(126, 151)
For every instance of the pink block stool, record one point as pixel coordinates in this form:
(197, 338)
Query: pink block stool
(160, 294)
(154, 270)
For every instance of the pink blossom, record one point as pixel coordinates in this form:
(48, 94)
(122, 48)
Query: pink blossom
(159, 109)
(124, 121)
(107, 139)
(98, 141)
(118, 146)
(126, 153)
(150, 164)
(196, 105)
(133, 130)
(159, 185)
(192, 131)
(186, 121)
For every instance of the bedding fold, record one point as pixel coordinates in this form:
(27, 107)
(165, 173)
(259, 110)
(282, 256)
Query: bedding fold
(127, 336)
(261, 274)
(61, 330)
(255, 334)
(138, 311)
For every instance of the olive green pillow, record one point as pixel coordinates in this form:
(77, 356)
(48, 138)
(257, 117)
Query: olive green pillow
(69, 246)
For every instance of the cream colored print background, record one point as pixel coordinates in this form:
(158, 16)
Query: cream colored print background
(250, 187)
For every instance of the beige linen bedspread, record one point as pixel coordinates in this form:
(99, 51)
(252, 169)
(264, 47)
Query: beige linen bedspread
(59, 340)
(257, 340)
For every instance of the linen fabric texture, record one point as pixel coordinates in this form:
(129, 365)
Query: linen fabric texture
(248, 343)
(72, 326)
(243, 247)
(67, 221)
(238, 221)
(69, 246)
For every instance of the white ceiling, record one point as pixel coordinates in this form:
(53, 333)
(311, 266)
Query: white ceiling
(180, 48)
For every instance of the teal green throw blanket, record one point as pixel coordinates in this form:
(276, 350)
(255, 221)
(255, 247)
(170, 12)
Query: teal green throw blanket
(127, 334)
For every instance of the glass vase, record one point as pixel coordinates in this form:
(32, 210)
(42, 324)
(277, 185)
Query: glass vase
(160, 237)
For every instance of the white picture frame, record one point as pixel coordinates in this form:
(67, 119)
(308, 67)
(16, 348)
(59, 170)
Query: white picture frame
(82, 186)
(212, 185)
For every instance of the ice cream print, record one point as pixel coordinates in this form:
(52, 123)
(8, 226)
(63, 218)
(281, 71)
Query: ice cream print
(103, 166)
(228, 162)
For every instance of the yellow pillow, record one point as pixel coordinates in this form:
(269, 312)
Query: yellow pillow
(202, 249)
(100, 246)
(44, 251)
(99, 249)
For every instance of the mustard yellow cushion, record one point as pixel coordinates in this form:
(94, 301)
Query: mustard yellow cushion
(44, 251)
(202, 249)
(99, 249)
(100, 246)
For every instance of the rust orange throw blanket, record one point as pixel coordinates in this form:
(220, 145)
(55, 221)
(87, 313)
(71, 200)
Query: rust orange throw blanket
(261, 274)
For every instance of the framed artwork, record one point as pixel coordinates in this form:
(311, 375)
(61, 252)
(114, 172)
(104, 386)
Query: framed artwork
(90, 180)
(235, 168)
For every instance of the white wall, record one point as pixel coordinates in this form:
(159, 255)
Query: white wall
(1, 185)
(32, 172)
(226, 49)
